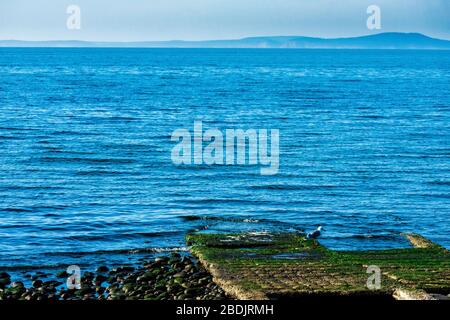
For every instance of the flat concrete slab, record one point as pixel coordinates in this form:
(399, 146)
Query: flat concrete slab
(286, 265)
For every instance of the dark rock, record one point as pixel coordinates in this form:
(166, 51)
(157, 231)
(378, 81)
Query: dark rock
(62, 274)
(128, 269)
(128, 287)
(52, 283)
(65, 296)
(85, 290)
(86, 297)
(181, 274)
(173, 277)
(161, 259)
(37, 283)
(4, 282)
(100, 290)
(191, 291)
(102, 269)
(186, 260)
(88, 276)
(4, 275)
(100, 278)
(17, 284)
(146, 277)
(162, 296)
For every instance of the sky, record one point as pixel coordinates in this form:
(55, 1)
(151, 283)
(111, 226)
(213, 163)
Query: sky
(141, 20)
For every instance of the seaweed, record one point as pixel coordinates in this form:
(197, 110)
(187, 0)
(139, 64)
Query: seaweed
(252, 265)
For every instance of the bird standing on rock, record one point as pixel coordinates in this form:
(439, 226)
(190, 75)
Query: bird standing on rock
(315, 234)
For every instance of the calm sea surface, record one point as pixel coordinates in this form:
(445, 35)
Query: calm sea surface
(86, 173)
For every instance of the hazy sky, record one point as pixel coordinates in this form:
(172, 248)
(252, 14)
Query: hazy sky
(135, 20)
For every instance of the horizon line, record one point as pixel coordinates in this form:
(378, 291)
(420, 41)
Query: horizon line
(229, 39)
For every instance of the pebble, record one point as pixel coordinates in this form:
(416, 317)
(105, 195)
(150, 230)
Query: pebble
(102, 269)
(181, 274)
(62, 274)
(161, 259)
(173, 277)
(4, 282)
(17, 284)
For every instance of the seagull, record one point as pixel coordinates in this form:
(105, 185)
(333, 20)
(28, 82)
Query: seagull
(315, 234)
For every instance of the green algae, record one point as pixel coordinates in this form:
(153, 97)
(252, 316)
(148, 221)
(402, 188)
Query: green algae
(288, 264)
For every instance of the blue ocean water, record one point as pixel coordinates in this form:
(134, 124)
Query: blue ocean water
(86, 170)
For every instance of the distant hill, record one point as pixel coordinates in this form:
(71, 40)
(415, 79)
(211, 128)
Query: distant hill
(391, 40)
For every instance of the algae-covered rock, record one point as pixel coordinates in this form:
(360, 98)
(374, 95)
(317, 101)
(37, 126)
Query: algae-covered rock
(262, 266)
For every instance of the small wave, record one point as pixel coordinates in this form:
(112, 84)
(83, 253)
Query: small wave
(51, 228)
(18, 129)
(119, 118)
(292, 187)
(60, 266)
(16, 187)
(211, 218)
(370, 117)
(384, 237)
(227, 201)
(15, 210)
(73, 254)
(89, 160)
(346, 80)
(113, 236)
(53, 150)
(25, 268)
(439, 183)
(274, 224)
(196, 167)
(98, 173)
(374, 236)
(11, 138)
(14, 226)
(74, 133)
(49, 215)
(55, 207)
(436, 195)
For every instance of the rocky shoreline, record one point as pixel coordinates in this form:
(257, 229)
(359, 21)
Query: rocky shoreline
(173, 277)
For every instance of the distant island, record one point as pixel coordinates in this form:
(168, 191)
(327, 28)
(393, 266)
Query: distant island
(389, 40)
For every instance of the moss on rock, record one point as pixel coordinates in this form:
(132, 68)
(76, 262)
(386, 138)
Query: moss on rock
(262, 266)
